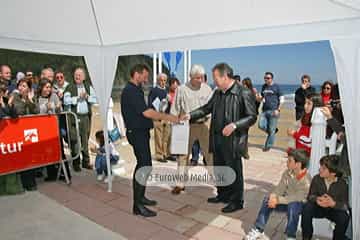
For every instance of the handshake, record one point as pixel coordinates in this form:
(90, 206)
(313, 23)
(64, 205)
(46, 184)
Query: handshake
(176, 119)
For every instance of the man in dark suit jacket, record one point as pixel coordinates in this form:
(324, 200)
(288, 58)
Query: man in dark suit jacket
(233, 111)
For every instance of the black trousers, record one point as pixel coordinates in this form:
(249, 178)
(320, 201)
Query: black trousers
(28, 179)
(312, 210)
(223, 157)
(140, 142)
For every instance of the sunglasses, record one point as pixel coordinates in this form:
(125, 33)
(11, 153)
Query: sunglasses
(59, 77)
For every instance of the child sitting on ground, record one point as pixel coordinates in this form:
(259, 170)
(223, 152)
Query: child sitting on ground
(288, 196)
(100, 160)
(328, 198)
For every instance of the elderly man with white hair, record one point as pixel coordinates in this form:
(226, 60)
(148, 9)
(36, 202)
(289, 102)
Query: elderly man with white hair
(78, 97)
(47, 73)
(189, 97)
(157, 100)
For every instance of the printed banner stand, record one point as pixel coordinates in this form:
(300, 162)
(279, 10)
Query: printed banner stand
(29, 142)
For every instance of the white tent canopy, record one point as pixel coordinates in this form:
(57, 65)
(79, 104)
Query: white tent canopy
(103, 30)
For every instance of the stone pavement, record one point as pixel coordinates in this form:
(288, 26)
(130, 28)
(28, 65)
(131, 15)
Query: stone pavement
(33, 216)
(186, 216)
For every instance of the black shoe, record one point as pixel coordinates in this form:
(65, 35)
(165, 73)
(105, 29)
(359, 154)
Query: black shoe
(30, 189)
(148, 202)
(217, 199)
(143, 211)
(193, 162)
(266, 149)
(232, 207)
(163, 160)
(204, 161)
(276, 130)
(39, 174)
(171, 158)
(50, 179)
(77, 168)
(246, 156)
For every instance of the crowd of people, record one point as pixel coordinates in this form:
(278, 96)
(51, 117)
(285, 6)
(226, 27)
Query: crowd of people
(219, 121)
(49, 93)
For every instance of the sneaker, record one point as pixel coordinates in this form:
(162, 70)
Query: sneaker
(106, 179)
(290, 238)
(100, 177)
(255, 234)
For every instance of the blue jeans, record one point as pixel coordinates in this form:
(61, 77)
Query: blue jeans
(195, 151)
(100, 163)
(292, 209)
(268, 123)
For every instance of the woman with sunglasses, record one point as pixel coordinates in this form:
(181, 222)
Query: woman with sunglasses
(326, 92)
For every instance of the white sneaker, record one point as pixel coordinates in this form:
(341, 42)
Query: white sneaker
(290, 238)
(100, 177)
(106, 180)
(255, 234)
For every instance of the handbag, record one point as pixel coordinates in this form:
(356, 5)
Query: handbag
(114, 134)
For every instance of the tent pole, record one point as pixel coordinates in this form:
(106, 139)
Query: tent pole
(160, 62)
(185, 67)
(189, 60)
(154, 69)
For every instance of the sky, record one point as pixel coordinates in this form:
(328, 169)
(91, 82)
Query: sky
(288, 62)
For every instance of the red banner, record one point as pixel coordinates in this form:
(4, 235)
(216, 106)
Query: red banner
(29, 142)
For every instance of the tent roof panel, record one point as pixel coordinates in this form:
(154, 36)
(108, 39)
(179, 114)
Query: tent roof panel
(63, 21)
(138, 20)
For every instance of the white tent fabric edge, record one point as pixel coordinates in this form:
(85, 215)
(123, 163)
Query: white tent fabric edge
(345, 42)
(347, 60)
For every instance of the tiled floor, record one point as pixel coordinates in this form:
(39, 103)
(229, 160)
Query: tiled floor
(187, 216)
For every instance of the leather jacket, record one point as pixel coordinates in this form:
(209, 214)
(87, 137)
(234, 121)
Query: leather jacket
(240, 109)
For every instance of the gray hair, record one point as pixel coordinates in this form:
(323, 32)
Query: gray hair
(47, 69)
(161, 75)
(197, 69)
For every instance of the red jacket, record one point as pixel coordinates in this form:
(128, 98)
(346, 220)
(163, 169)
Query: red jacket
(326, 98)
(302, 138)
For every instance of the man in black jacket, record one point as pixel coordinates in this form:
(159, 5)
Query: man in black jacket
(5, 109)
(300, 95)
(233, 111)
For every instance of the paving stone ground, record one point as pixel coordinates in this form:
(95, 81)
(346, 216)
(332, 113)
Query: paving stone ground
(186, 216)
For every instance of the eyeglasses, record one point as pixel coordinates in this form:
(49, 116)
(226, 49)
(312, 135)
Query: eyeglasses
(59, 77)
